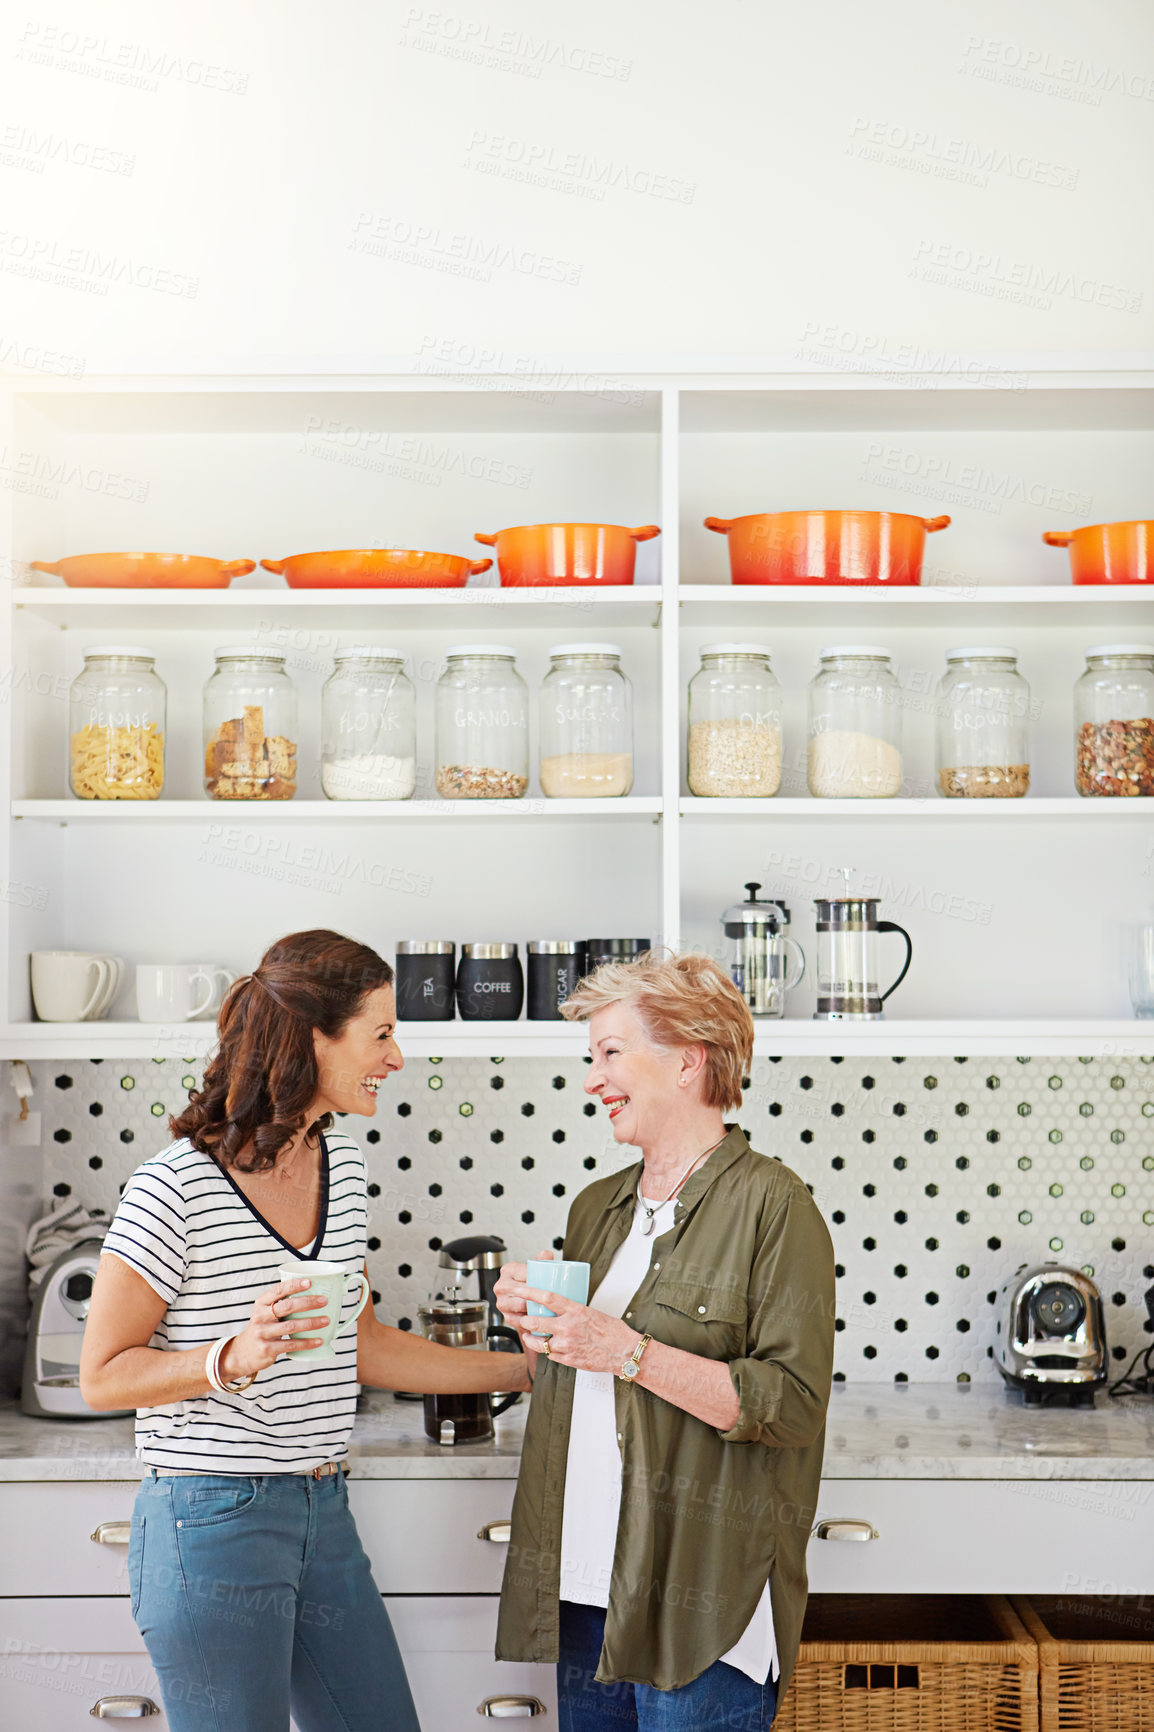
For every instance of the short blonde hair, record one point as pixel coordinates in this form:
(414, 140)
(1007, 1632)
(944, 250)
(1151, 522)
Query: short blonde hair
(682, 1000)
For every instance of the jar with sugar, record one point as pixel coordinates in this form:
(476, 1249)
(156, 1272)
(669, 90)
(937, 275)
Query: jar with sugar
(855, 727)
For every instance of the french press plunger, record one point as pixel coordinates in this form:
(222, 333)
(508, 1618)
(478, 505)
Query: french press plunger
(847, 929)
(759, 953)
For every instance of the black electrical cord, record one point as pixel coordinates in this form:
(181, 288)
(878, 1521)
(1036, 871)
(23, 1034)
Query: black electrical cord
(1143, 1384)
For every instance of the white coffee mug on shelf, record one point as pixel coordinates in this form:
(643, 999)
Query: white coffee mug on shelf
(222, 979)
(73, 985)
(173, 991)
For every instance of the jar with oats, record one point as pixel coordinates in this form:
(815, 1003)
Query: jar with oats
(482, 725)
(1114, 721)
(586, 723)
(116, 726)
(855, 725)
(983, 710)
(735, 731)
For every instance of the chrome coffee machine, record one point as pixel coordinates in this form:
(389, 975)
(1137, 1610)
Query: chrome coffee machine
(482, 1256)
(1050, 1335)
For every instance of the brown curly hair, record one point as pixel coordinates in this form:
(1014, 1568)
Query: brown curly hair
(263, 1079)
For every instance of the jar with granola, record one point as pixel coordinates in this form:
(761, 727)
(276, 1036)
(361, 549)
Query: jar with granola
(250, 727)
(116, 726)
(482, 725)
(1114, 721)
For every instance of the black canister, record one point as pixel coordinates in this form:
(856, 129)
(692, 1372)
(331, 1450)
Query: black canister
(599, 950)
(555, 967)
(426, 972)
(490, 984)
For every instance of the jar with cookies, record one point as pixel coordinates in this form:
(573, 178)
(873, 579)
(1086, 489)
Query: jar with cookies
(250, 727)
(116, 726)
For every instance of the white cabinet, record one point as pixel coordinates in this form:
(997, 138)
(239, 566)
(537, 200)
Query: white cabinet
(49, 1545)
(64, 1662)
(423, 1535)
(447, 1645)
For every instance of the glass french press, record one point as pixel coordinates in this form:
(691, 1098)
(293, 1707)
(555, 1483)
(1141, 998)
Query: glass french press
(759, 953)
(847, 973)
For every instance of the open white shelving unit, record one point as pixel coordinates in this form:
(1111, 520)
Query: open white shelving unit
(1016, 907)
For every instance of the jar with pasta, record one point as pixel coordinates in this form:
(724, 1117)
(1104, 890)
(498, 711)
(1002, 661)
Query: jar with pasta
(734, 724)
(116, 726)
(855, 729)
(250, 727)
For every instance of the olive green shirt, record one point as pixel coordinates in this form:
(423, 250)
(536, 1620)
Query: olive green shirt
(744, 1275)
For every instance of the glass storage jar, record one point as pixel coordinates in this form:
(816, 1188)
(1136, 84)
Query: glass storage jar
(586, 717)
(735, 733)
(855, 725)
(368, 727)
(1114, 720)
(116, 726)
(982, 707)
(482, 711)
(250, 727)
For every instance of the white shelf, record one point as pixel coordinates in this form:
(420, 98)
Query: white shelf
(1008, 1038)
(765, 605)
(223, 610)
(329, 811)
(1001, 811)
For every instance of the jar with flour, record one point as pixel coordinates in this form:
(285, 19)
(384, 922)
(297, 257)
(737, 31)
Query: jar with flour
(855, 750)
(368, 727)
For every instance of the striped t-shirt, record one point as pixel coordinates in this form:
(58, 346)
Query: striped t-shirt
(196, 1239)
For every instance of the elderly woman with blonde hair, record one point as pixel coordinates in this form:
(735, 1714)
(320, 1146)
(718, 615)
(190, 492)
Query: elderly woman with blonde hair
(674, 1444)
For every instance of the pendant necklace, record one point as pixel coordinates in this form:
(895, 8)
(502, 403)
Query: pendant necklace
(651, 1212)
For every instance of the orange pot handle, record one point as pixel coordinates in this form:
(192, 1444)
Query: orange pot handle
(485, 540)
(933, 523)
(276, 566)
(477, 566)
(238, 568)
(1052, 538)
(645, 534)
(723, 525)
(45, 565)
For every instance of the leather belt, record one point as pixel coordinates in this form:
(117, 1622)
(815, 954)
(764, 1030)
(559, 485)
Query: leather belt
(323, 1472)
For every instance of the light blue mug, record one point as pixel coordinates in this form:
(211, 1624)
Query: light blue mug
(570, 1280)
(334, 1283)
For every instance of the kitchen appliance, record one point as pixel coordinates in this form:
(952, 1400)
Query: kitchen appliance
(51, 1387)
(426, 979)
(145, 570)
(826, 546)
(566, 553)
(555, 967)
(376, 568)
(759, 953)
(847, 929)
(1050, 1337)
(490, 983)
(454, 1322)
(1108, 552)
(480, 1255)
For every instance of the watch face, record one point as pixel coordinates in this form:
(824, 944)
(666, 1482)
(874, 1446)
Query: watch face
(630, 1368)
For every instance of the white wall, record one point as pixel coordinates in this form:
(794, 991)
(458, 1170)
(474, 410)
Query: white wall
(291, 184)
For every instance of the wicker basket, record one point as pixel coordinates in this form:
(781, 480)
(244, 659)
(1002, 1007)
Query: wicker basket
(1095, 1660)
(912, 1663)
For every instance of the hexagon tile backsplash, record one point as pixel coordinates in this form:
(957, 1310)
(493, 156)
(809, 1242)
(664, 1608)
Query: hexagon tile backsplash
(938, 1177)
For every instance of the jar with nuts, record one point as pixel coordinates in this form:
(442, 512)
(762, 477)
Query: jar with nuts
(116, 726)
(983, 711)
(1114, 721)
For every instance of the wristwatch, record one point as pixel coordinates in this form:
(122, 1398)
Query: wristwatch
(632, 1366)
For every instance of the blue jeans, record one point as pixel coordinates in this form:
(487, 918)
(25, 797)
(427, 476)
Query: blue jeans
(254, 1596)
(722, 1699)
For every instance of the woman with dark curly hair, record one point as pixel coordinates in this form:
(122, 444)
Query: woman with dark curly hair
(248, 1581)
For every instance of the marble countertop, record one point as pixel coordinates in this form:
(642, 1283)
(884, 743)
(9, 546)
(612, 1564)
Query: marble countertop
(875, 1431)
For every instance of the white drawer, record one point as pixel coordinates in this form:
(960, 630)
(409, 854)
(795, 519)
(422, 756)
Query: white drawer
(60, 1658)
(48, 1548)
(988, 1536)
(447, 1644)
(421, 1534)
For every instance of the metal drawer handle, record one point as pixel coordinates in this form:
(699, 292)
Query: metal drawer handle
(112, 1534)
(844, 1528)
(124, 1708)
(499, 1534)
(510, 1707)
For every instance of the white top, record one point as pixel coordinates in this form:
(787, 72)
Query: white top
(593, 1471)
(196, 1239)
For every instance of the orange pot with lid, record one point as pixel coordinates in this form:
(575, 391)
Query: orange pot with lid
(565, 554)
(1108, 552)
(376, 568)
(837, 547)
(145, 570)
